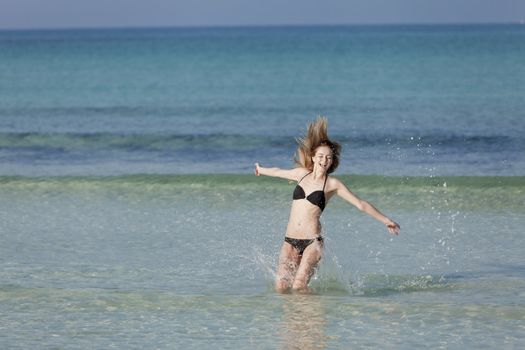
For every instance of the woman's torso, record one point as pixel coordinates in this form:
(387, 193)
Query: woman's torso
(309, 200)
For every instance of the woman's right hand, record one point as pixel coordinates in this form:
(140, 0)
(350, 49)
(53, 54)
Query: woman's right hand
(256, 170)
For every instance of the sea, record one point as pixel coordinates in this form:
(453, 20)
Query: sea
(130, 217)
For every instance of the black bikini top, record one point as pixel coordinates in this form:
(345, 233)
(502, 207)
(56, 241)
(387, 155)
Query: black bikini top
(316, 197)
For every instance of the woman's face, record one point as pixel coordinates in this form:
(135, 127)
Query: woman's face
(323, 158)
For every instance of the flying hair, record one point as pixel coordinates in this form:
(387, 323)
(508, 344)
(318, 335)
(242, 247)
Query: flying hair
(316, 135)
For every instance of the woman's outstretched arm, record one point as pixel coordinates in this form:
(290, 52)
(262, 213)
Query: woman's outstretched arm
(289, 174)
(366, 207)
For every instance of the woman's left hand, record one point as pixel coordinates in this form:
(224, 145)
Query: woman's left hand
(393, 227)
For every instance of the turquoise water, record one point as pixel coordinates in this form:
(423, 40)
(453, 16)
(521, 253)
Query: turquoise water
(130, 218)
(187, 261)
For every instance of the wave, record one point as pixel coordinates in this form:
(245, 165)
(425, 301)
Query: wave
(232, 181)
(173, 142)
(401, 192)
(373, 284)
(132, 142)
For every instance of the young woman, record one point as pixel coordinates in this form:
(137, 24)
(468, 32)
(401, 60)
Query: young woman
(317, 157)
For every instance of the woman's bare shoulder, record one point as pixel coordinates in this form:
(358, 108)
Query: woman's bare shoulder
(333, 183)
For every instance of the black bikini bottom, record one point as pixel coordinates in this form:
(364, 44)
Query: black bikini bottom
(300, 244)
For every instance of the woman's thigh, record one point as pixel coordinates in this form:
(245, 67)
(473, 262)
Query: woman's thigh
(308, 264)
(289, 261)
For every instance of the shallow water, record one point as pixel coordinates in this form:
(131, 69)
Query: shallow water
(182, 261)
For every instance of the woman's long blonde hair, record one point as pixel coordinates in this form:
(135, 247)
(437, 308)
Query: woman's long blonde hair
(317, 135)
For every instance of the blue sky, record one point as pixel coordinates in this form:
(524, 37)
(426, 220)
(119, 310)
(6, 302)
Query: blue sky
(140, 13)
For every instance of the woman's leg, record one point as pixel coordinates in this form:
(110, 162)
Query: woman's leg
(308, 263)
(289, 261)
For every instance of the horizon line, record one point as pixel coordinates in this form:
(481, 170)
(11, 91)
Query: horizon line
(274, 25)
